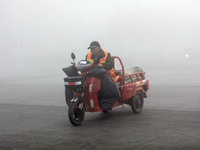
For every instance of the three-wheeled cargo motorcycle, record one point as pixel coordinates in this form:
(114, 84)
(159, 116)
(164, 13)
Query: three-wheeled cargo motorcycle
(132, 88)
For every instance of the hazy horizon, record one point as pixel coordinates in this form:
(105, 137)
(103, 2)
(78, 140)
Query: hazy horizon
(37, 36)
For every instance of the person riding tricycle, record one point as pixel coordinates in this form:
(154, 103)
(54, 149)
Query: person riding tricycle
(93, 86)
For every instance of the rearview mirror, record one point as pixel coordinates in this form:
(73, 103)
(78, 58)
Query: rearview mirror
(73, 56)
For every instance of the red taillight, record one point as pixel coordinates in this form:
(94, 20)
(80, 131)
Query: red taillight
(73, 83)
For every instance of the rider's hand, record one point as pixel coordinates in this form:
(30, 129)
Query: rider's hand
(100, 65)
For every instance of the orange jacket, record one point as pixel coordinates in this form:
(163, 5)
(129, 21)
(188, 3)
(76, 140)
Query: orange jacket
(103, 60)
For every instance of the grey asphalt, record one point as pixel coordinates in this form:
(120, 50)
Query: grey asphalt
(33, 115)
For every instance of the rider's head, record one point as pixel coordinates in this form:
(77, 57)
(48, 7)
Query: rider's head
(95, 47)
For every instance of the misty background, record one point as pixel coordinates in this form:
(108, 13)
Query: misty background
(38, 36)
(36, 40)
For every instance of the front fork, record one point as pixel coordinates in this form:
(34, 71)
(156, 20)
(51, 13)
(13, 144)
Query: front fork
(79, 97)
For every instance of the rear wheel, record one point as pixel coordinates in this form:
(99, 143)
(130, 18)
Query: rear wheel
(137, 103)
(76, 113)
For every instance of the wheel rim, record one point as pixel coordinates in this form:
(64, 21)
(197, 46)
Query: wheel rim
(77, 113)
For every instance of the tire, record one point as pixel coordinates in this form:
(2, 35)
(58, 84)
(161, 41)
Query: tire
(137, 103)
(76, 115)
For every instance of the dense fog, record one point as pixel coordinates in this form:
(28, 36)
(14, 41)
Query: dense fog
(37, 36)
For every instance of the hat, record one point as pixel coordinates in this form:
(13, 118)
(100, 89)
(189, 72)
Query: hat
(94, 44)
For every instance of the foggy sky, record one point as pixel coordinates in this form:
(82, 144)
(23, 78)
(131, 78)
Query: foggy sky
(39, 35)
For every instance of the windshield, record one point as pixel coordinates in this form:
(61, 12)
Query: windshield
(83, 65)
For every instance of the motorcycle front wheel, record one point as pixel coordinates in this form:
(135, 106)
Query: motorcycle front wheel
(76, 113)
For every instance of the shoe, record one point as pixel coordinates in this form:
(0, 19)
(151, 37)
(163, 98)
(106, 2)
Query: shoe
(106, 110)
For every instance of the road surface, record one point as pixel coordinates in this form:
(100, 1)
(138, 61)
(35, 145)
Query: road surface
(33, 115)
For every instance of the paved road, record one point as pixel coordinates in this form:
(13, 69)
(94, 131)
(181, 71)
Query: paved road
(47, 127)
(33, 115)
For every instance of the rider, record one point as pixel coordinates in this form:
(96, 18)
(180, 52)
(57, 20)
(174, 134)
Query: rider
(101, 58)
